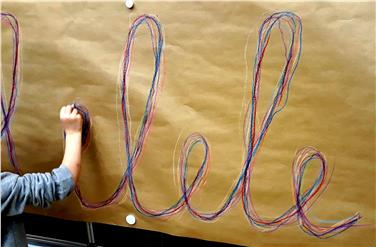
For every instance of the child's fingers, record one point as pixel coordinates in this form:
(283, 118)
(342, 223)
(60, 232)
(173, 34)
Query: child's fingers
(68, 109)
(74, 112)
(62, 112)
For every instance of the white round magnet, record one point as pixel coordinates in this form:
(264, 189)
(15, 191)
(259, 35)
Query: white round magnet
(129, 4)
(131, 220)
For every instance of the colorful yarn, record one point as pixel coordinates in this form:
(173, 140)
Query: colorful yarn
(8, 111)
(290, 28)
(86, 124)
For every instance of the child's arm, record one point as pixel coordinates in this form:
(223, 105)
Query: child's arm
(72, 124)
(41, 189)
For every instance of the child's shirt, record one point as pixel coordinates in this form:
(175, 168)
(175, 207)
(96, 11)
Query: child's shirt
(37, 189)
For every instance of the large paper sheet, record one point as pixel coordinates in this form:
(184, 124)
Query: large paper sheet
(72, 51)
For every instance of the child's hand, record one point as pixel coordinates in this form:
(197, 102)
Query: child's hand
(71, 120)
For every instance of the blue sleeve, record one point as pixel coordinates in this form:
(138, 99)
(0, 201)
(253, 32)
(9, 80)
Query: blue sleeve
(37, 189)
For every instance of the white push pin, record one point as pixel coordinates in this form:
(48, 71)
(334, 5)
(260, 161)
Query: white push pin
(129, 4)
(131, 220)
